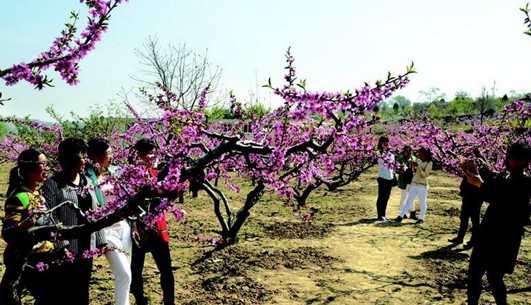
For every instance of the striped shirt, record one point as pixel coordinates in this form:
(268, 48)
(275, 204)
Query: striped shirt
(59, 189)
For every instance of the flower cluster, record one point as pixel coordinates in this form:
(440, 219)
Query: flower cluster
(485, 141)
(313, 138)
(66, 50)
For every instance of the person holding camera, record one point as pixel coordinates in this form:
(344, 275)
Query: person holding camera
(419, 185)
(498, 238)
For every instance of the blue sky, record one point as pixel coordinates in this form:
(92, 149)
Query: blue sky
(338, 44)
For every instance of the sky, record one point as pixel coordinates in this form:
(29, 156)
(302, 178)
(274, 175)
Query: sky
(456, 45)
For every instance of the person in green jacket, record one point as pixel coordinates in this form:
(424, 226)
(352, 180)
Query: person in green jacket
(405, 176)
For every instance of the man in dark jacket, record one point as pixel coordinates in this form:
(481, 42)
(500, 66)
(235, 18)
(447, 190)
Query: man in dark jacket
(498, 238)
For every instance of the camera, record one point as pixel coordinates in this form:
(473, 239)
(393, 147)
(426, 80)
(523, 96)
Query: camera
(471, 167)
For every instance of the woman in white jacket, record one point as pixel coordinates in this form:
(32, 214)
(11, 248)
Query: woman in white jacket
(118, 235)
(385, 177)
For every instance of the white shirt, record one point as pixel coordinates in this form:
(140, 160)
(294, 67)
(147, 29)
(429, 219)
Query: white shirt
(383, 170)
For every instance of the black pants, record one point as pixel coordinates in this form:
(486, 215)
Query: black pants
(65, 284)
(477, 268)
(470, 208)
(384, 192)
(161, 255)
(10, 287)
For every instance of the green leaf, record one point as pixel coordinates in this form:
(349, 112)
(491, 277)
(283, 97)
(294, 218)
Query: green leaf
(411, 69)
(302, 84)
(74, 15)
(268, 85)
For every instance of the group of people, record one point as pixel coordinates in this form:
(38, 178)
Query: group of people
(496, 239)
(37, 199)
(57, 271)
(413, 172)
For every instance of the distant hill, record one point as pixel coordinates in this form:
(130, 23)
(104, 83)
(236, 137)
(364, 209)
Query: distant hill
(12, 129)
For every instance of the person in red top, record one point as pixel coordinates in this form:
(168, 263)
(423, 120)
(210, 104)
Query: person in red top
(151, 240)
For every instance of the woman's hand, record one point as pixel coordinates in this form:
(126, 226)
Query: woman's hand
(137, 235)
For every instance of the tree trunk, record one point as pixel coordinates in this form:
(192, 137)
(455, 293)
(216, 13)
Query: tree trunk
(252, 199)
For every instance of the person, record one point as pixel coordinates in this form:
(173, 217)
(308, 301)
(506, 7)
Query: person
(154, 240)
(22, 207)
(69, 185)
(419, 185)
(405, 175)
(118, 235)
(498, 238)
(471, 202)
(385, 177)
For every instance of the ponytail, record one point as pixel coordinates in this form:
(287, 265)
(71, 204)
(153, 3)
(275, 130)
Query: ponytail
(15, 180)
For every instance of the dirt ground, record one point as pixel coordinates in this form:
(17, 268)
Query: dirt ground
(343, 256)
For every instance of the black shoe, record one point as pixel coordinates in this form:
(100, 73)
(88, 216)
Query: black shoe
(399, 219)
(456, 241)
(419, 221)
(413, 216)
(405, 217)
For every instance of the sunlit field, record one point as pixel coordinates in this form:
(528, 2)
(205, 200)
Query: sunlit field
(341, 257)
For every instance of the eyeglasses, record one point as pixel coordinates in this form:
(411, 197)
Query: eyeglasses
(43, 163)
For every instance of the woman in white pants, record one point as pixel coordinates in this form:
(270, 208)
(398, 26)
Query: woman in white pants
(419, 185)
(119, 238)
(118, 235)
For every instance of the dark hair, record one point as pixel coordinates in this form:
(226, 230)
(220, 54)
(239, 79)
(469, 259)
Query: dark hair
(426, 152)
(70, 151)
(27, 161)
(519, 150)
(382, 140)
(97, 147)
(144, 146)
(407, 148)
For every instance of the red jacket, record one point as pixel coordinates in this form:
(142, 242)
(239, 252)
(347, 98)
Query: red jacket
(162, 225)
